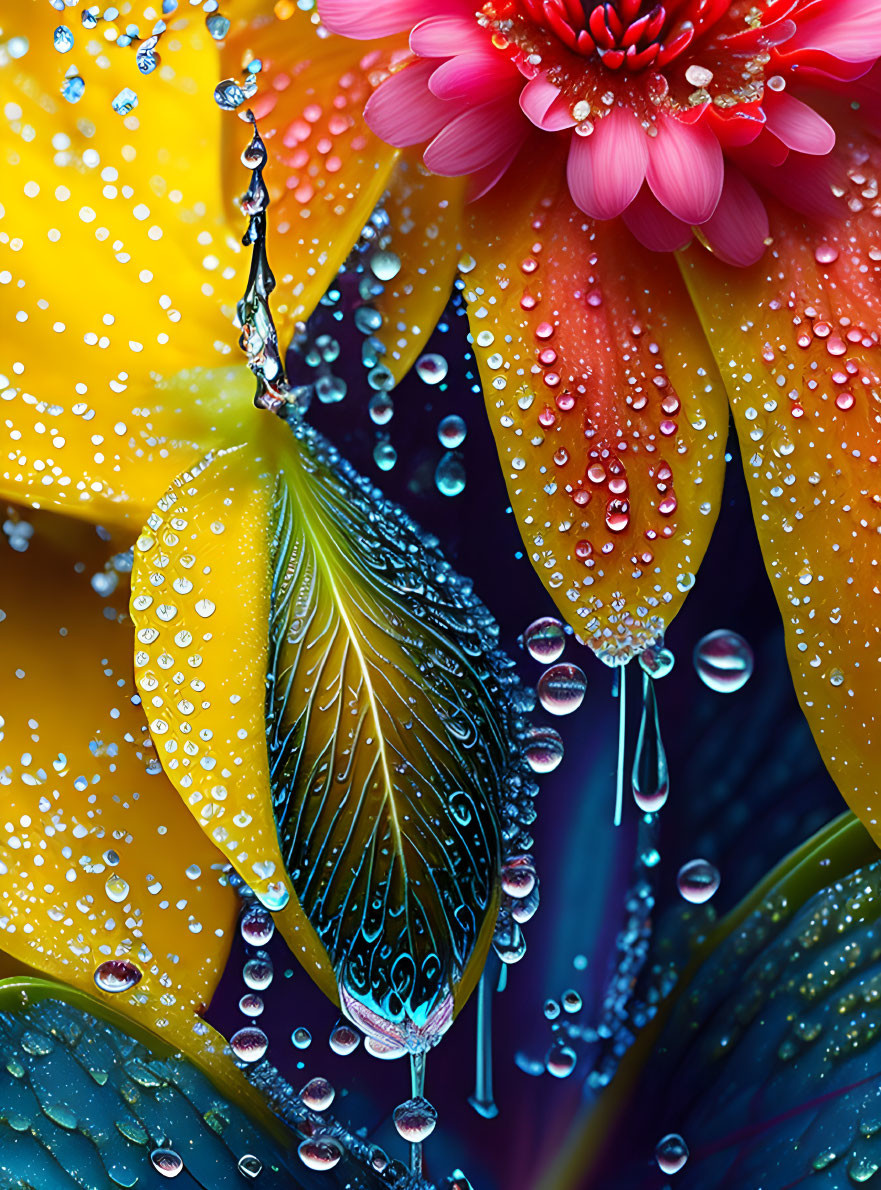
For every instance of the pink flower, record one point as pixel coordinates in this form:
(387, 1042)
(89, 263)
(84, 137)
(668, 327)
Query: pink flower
(677, 114)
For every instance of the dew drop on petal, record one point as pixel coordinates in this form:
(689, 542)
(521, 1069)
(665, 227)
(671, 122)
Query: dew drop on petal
(317, 1094)
(723, 660)
(72, 88)
(320, 1152)
(249, 1044)
(561, 688)
(671, 1153)
(229, 95)
(116, 888)
(62, 39)
(166, 1162)
(518, 876)
(697, 881)
(415, 1120)
(545, 640)
(217, 26)
(117, 975)
(387, 1052)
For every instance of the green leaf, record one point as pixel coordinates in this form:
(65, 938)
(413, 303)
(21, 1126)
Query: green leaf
(361, 726)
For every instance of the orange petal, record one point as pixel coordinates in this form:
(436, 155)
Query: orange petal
(121, 273)
(605, 403)
(327, 170)
(796, 337)
(425, 227)
(99, 860)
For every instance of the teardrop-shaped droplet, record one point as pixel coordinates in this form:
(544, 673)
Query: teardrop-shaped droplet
(317, 1094)
(449, 475)
(117, 975)
(229, 95)
(167, 1162)
(250, 1166)
(723, 660)
(698, 880)
(518, 876)
(508, 941)
(62, 39)
(320, 1152)
(671, 1153)
(545, 640)
(217, 25)
(415, 1119)
(651, 781)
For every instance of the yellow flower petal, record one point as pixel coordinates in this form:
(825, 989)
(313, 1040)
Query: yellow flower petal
(120, 273)
(99, 861)
(605, 403)
(796, 337)
(326, 170)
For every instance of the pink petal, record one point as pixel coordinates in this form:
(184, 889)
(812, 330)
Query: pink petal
(366, 19)
(606, 169)
(477, 76)
(654, 226)
(738, 228)
(542, 102)
(402, 111)
(483, 180)
(685, 169)
(846, 29)
(446, 36)
(476, 138)
(797, 125)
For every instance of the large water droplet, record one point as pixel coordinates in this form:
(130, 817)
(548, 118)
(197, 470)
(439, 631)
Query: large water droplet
(561, 688)
(671, 1153)
(545, 640)
(250, 1166)
(698, 880)
(449, 475)
(62, 39)
(415, 1119)
(257, 974)
(217, 26)
(656, 661)
(723, 660)
(451, 431)
(317, 1094)
(431, 368)
(385, 265)
(560, 1062)
(509, 942)
(651, 781)
(274, 897)
(229, 95)
(116, 888)
(320, 1152)
(72, 88)
(251, 1004)
(249, 1044)
(543, 749)
(257, 927)
(117, 975)
(344, 1040)
(518, 876)
(167, 1162)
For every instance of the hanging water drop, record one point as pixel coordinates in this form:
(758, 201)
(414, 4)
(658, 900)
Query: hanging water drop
(561, 688)
(320, 1152)
(251, 1004)
(415, 1120)
(656, 661)
(723, 660)
(344, 1040)
(257, 974)
(385, 456)
(381, 409)
(651, 781)
(256, 926)
(671, 1153)
(431, 368)
(543, 749)
(698, 880)
(508, 940)
(117, 975)
(449, 475)
(249, 1044)
(451, 431)
(518, 876)
(545, 640)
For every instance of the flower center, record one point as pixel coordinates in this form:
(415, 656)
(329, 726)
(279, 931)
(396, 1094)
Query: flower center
(624, 34)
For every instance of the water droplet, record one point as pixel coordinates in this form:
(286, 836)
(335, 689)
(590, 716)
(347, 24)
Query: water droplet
(415, 1120)
(508, 941)
(381, 409)
(561, 688)
(518, 876)
(671, 1153)
(385, 456)
(126, 101)
(301, 1038)
(449, 475)
(551, 1010)
(723, 660)
(117, 975)
(651, 781)
(249, 1044)
(251, 1004)
(257, 974)
(62, 39)
(543, 749)
(431, 368)
(451, 431)
(344, 1040)
(320, 1152)
(250, 1166)
(560, 1061)
(257, 927)
(385, 265)
(72, 88)
(229, 95)
(217, 26)
(571, 1001)
(274, 897)
(656, 661)
(166, 1162)
(116, 888)
(384, 1050)
(317, 1094)
(697, 881)
(545, 640)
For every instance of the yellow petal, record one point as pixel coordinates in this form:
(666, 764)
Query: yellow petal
(120, 272)
(99, 862)
(605, 404)
(326, 170)
(425, 226)
(796, 337)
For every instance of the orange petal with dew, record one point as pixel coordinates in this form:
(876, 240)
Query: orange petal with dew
(327, 170)
(120, 272)
(99, 860)
(605, 403)
(797, 340)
